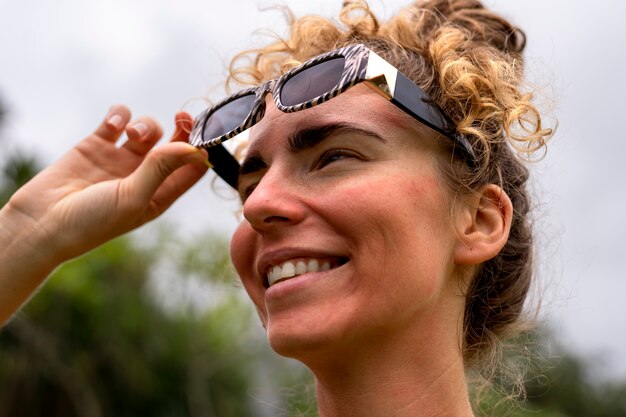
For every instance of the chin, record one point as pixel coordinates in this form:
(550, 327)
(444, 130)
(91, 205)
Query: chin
(303, 342)
(295, 344)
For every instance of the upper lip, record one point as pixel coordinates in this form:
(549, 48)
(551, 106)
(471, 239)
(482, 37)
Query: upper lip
(278, 256)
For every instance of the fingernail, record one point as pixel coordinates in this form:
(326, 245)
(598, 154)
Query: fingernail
(140, 127)
(116, 121)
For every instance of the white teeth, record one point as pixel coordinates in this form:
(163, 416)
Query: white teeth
(313, 266)
(276, 271)
(300, 267)
(288, 269)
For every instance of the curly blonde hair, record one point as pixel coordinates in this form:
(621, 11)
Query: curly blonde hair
(468, 59)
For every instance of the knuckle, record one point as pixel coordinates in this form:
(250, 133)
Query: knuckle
(161, 164)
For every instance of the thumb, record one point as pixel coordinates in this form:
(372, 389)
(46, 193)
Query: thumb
(158, 165)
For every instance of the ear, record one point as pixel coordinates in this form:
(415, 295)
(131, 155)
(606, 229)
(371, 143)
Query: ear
(484, 226)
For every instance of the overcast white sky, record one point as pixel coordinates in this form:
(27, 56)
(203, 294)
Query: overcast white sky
(63, 63)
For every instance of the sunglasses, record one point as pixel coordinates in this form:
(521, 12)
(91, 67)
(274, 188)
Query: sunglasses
(314, 82)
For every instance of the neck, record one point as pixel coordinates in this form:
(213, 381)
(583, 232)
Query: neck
(397, 393)
(402, 377)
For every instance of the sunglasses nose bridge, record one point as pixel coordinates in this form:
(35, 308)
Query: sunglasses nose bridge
(272, 87)
(258, 110)
(269, 87)
(264, 89)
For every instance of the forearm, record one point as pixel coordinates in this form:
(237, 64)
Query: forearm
(25, 260)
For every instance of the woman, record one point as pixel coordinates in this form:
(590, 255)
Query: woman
(385, 240)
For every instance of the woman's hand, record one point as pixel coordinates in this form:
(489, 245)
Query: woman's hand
(94, 193)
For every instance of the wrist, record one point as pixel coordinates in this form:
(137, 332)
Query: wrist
(27, 246)
(25, 261)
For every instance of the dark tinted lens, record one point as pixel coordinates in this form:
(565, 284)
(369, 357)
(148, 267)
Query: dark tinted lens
(228, 117)
(312, 82)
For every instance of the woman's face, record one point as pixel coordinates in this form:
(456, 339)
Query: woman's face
(348, 218)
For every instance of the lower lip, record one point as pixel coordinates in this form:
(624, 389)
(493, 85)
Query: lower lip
(297, 284)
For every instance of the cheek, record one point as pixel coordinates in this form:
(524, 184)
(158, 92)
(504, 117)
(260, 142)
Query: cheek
(400, 207)
(403, 227)
(243, 248)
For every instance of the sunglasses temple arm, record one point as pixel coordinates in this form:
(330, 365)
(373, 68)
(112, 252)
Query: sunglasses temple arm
(412, 99)
(224, 164)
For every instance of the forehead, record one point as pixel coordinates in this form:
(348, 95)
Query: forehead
(359, 106)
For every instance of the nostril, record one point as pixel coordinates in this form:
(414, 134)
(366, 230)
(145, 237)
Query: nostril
(275, 219)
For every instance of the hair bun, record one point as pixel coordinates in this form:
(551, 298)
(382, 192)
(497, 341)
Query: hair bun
(484, 25)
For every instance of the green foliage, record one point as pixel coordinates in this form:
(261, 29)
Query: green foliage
(567, 387)
(93, 342)
(16, 171)
(555, 381)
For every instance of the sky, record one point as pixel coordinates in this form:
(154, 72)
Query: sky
(64, 63)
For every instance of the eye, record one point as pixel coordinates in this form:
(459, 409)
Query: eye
(334, 155)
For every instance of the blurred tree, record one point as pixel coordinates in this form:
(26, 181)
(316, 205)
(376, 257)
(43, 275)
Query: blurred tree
(556, 382)
(567, 386)
(17, 169)
(93, 342)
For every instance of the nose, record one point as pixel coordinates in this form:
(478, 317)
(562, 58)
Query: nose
(275, 203)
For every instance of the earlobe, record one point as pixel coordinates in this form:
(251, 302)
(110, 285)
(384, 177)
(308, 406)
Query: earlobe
(484, 226)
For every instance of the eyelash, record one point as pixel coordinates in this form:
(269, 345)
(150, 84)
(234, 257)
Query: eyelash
(327, 157)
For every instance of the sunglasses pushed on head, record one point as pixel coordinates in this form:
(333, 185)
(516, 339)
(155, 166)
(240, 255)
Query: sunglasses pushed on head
(310, 84)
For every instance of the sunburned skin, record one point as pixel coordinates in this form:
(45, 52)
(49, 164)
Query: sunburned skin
(360, 204)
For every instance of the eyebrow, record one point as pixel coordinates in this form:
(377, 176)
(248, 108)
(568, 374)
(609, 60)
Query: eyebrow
(309, 138)
(305, 139)
(251, 164)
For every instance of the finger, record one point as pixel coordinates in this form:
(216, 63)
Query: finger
(184, 123)
(158, 165)
(175, 186)
(142, 134)
(114, 123)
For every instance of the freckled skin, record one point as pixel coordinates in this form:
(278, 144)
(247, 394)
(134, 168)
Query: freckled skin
(389, 213)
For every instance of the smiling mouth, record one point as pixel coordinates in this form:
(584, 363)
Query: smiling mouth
(299, 266)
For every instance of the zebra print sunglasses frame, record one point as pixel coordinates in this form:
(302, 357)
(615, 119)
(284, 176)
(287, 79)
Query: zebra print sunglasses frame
(314, 82)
